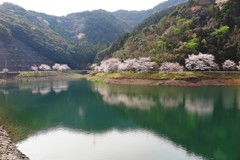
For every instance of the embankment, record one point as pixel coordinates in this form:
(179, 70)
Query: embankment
(170, 79)
(8, 149)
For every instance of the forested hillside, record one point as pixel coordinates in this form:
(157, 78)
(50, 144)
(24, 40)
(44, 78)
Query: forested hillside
(207, 26)
(58, 39)
(29, 38)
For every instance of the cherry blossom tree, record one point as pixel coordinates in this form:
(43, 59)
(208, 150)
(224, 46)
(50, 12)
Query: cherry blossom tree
(201, 62)
(238, 67)
(109, 65)
(142, 64)
(229, 65)
(44, 67)
(60, 67)
(171, 67)
(34, 68)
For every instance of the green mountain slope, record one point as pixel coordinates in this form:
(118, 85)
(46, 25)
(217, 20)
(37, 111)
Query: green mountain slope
(35, 36)
(122, 40)
(73, 39)
(199, 26)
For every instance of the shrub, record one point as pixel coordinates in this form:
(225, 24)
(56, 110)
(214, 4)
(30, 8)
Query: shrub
(161, 44)
(222, 31)
(229, 65)
(193, 44)
(201, 62)
(171, 67)
(176, 31)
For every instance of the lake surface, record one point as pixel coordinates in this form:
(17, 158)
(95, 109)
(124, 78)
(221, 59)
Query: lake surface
(72, 120)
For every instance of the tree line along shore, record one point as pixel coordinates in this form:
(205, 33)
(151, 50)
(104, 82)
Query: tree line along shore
(184, 78)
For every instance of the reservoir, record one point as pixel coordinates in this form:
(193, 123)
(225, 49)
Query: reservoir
(71, 120)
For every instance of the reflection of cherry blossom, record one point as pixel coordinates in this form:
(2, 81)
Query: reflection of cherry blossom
(171, 102)
(35, 90)
(46, 87)
(199, 106)
(60, 86)
(139, 102)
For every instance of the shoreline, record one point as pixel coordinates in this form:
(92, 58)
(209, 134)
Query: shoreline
(180, 83)
(187, 79)
(40, 76)
(8, 149)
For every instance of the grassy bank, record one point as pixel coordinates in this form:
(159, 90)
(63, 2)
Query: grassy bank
(167, 76)
(48, 74)
(171, 78)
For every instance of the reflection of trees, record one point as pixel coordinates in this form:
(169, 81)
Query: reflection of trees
(170, 101)
(80, 108)
(60, 86)
(228, 99)
(199, 105)
(45, 88)
(116, 98)
(213, 137)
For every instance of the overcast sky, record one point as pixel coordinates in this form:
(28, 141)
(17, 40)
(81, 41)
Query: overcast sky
(63, 7)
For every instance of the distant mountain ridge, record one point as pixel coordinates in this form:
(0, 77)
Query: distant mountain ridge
(133, 18)
(28, 37)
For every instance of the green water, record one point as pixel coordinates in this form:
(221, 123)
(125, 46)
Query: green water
(58, 120)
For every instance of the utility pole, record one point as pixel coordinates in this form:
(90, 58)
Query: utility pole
(5, 61)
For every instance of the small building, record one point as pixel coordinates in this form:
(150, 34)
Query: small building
(5, 70)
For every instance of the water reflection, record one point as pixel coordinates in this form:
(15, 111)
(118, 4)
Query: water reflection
(199, 101)
(229, 99)
(130, 145)
(199, 106)
(173, 97)
(45, 87)
(170, 101)
(200, 121)
(115, 98)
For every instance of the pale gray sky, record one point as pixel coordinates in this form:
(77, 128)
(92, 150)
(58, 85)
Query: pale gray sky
(63, 7)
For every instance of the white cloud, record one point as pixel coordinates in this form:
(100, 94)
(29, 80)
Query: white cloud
(63, 7)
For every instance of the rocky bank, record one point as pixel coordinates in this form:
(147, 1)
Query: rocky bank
(8, 149)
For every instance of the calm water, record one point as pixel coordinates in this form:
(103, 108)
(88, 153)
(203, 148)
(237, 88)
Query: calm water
(61, 120)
